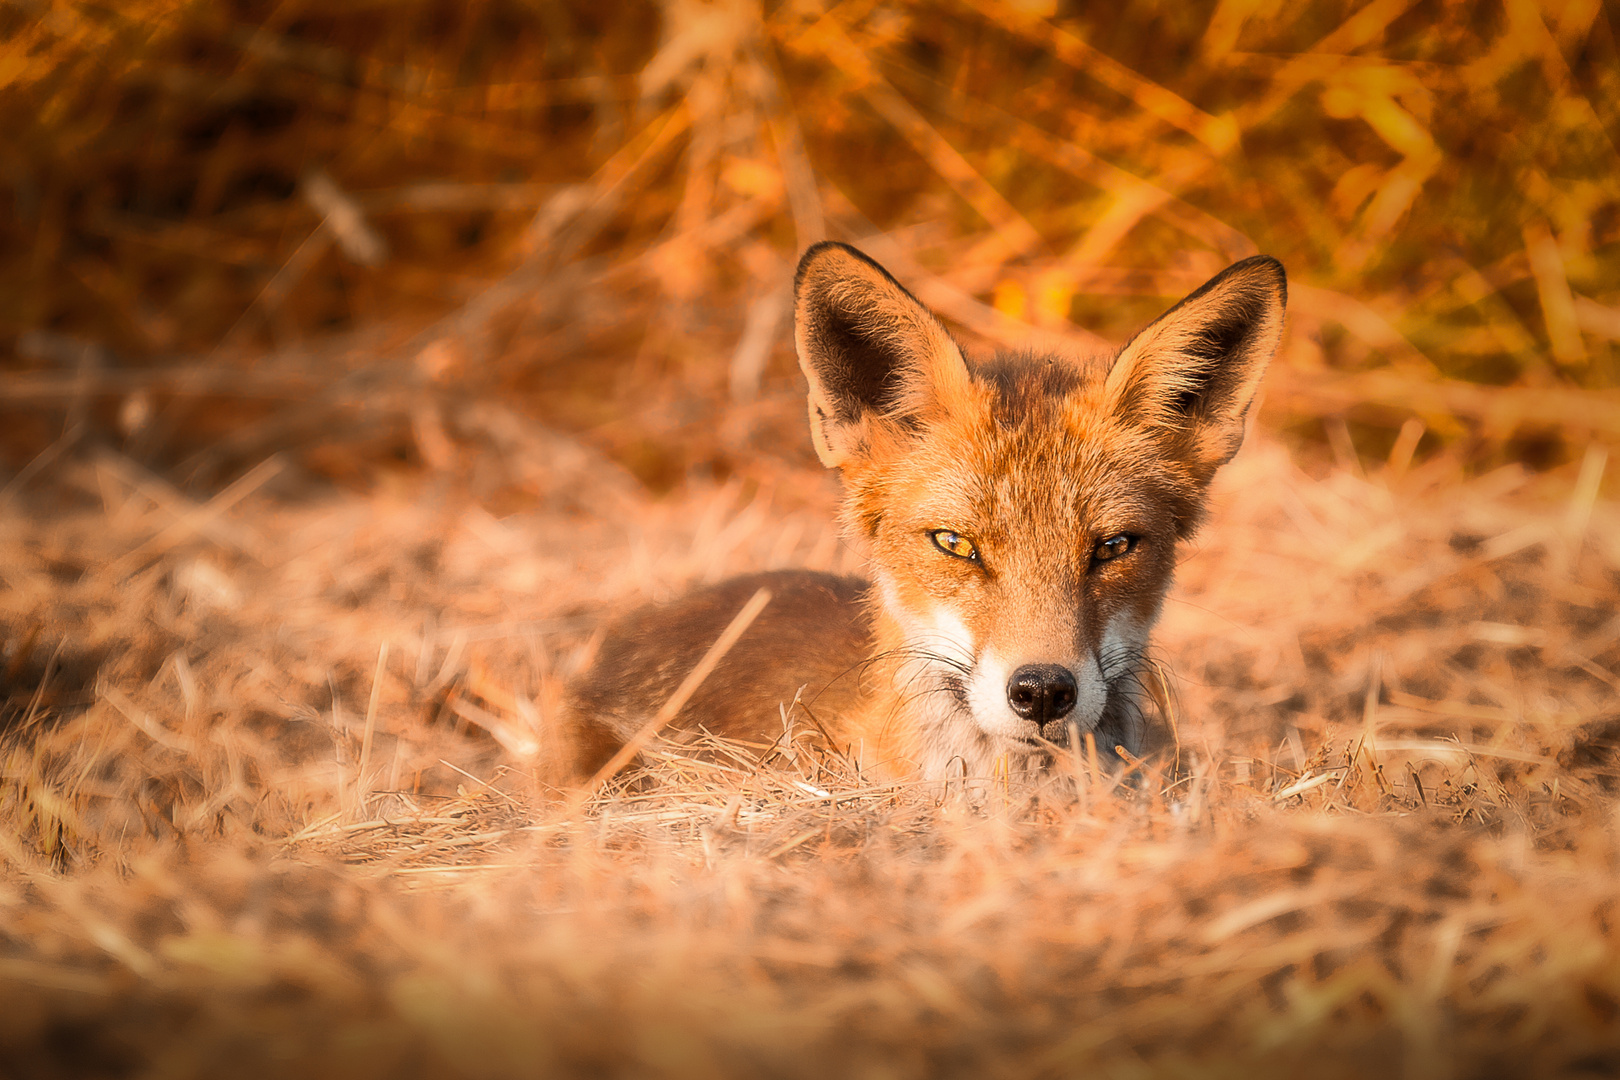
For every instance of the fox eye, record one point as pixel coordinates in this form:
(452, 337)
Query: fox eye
(956, 544)
(1113, 547)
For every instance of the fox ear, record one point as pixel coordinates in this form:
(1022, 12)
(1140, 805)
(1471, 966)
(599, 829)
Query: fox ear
(1192, 373)
(873, 354)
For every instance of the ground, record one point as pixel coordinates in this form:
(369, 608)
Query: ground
(275, 792)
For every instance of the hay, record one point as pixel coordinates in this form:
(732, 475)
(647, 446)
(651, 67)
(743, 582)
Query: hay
(320, 482)
(1392, 842)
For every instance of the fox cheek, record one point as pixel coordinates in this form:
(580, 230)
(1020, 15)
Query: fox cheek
(1129, 590)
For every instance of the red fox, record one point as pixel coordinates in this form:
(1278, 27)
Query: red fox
(1021, 513)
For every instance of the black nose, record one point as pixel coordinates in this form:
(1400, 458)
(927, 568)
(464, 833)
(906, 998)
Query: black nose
(1041, 692)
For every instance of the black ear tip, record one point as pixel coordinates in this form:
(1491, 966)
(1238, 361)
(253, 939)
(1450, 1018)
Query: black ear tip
(821, 250)
(824, 250)
(830, 257)
(1262, 268)
(1274, 267)
(829, 245)
(814, 251)
(814, 254)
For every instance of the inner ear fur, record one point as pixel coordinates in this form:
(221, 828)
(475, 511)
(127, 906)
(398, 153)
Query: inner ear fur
(873, 354)
(1192, 374)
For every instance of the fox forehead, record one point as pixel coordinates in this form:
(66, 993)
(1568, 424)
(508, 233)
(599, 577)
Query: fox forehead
(1027, 454)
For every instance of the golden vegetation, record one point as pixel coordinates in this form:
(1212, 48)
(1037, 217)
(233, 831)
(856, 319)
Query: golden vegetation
(363, 355)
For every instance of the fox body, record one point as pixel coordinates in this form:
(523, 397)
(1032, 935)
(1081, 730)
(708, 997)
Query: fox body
(1022, 515)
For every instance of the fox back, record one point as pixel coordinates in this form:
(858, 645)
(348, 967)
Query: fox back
(1022, 515)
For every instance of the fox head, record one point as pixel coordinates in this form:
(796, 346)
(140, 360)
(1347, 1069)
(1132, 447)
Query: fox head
(1023, 512)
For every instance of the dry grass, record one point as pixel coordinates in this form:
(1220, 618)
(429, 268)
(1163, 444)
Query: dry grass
(320, 480)
(231, 829)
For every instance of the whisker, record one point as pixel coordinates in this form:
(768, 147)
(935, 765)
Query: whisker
(918, 653)
(921, 694)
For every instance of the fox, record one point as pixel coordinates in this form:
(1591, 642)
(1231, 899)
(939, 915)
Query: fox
(1021, 515)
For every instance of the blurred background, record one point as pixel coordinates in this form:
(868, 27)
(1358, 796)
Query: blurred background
(233, 228)
(356, 357)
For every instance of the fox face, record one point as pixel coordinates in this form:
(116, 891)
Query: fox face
(1023, 512)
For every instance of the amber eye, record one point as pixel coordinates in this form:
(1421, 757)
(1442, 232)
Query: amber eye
(954, 544)
(1113, 547)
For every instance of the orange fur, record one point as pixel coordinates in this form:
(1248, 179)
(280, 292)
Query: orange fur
(1022, 515)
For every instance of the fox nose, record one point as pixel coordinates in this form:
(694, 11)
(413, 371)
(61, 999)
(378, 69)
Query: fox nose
(1042, 692)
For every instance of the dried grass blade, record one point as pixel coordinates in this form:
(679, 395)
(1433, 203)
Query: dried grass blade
(789, 845)
(798, 176)
(1015, 231)
(960, 307)
(346, 220)
(1217, 133)
(518, 743)
(1358, 30)
(195, 522)
(39, 463)
(148, 726)
(1557, 301)
(362, 781)
(177, 504)
(1505, 407)
(1309, 783)
(607, 185)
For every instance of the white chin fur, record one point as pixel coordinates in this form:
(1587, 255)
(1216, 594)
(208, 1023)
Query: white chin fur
(957, 743)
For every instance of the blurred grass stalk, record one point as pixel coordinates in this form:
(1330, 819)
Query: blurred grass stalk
(193, 179)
